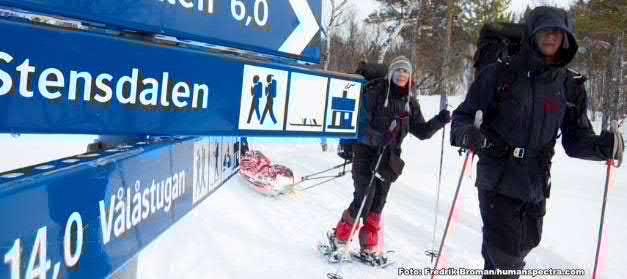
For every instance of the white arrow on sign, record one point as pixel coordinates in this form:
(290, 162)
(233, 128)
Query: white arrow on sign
(304, 32)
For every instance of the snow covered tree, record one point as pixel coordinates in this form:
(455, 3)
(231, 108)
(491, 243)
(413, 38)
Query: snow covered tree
(601, 27)
(336, 18)
(478, 12)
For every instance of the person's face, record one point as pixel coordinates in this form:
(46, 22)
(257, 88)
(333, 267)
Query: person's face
(549, 42)
(400, 77)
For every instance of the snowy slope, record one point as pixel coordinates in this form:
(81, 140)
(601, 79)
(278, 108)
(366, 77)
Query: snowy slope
(238, 233)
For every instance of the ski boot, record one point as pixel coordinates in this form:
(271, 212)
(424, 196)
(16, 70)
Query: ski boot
(373, 258)
(334, 250)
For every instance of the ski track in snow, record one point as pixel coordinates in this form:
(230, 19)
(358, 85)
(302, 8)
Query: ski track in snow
(238, 233)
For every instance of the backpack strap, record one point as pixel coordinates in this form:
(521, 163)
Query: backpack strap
(505, 77)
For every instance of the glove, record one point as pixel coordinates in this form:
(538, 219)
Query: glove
(606, 143)
(392, 135)
(472, 138)
(444, 116)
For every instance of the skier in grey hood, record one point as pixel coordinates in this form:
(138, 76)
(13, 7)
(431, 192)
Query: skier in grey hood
(526, 101)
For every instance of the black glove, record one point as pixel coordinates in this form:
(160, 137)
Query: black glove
(472, 138)
(444, 116)
(606, 144)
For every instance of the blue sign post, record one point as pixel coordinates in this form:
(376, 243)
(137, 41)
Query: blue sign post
(89, 215)
(86, 216)
(82, 82)
(284, 28)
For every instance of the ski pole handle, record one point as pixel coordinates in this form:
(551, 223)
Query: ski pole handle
(393, 125)
(478, 118)
(443, 102)
(617, 141)
(478, 121)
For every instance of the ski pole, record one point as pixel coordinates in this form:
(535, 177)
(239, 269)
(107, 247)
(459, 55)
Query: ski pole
(478, 120)
(337, 274)
(611, 167)
(432, 253)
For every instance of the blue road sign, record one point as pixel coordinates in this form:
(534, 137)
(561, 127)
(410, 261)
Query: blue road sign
(54, 81)
(285, 28)
(90, 214)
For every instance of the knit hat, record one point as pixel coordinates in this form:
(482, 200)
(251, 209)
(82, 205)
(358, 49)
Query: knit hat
(400, 62)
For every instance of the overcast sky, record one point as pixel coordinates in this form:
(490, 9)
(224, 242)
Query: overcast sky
(365, 7)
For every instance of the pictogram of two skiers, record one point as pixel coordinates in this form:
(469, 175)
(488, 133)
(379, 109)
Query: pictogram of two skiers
(526, 96)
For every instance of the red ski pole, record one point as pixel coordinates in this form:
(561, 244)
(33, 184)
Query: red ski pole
(469, 156)
(612, 165)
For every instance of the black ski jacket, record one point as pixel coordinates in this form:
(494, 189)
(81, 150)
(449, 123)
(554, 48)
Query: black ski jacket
(526, 103)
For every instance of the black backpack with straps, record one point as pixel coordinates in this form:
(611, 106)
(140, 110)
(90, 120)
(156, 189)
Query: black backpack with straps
(497, 41)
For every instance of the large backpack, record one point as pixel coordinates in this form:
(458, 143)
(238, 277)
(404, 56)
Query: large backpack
(370, 72)
(497, 41)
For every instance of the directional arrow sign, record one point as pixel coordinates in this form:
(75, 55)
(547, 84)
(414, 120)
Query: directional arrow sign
(306, 30)
(281, 28)
(54, 81)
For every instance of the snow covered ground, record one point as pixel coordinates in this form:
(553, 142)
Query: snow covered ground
(237, 233)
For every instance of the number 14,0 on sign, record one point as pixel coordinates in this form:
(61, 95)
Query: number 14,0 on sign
(38, 264)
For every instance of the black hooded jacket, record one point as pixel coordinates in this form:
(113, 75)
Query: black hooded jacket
(375, 119)
(526, 103)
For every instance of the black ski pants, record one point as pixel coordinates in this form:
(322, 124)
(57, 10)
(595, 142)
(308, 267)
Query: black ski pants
(364, 161)
(511, 228)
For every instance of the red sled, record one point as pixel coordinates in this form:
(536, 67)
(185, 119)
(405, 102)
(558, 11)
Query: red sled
(266, 178)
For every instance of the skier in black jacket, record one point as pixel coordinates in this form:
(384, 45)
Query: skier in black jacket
(525, 101)
(386, 101)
